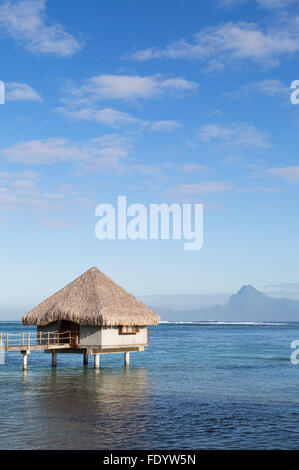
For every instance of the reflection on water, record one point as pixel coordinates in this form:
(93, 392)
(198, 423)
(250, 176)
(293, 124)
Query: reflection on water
(80, 409)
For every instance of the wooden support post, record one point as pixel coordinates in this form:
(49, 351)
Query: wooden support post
(127, 359)
(23, 339)
(25, 357)
(54, 358)
(97, 361)
(85, 359)
(7, 341)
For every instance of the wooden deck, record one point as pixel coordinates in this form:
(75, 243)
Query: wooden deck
(57, 342)
(36, 347)
(37, 341)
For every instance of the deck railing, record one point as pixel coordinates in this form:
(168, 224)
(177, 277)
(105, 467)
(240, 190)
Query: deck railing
(45, 340)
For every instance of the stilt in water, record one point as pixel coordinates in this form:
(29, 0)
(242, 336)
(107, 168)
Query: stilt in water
(127, 359)
(85, 359)
(25, 359)
(97, 361)
(54, 359)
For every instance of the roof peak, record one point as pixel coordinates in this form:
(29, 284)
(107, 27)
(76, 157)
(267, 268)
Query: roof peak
(92, 300)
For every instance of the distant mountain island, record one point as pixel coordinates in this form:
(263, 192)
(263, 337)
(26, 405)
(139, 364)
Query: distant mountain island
(248, 304)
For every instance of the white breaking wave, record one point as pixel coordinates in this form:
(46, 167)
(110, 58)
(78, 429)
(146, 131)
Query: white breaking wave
(213, 322)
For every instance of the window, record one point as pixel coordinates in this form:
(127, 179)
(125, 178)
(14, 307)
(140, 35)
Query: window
(128, 330)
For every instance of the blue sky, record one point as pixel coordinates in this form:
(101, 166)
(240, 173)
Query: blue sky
(161, 101)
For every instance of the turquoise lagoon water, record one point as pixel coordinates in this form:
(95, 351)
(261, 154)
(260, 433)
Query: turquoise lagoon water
(198, 386)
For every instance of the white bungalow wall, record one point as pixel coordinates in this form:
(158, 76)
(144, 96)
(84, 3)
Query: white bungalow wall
(109, 336)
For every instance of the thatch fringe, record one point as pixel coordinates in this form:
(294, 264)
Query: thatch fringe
(92, 299)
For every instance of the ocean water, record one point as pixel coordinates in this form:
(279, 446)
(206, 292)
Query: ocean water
(197, 386)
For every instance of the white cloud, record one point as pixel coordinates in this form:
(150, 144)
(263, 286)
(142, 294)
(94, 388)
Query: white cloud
(83, 202)
(289, 173)
(82, 102)
(101, 154)
(232, 42)
(14, 197)
(270, 87)
(55, 196)
(113, 140)
(25, 22)
(127, 87)
(191, 168)
(275, 3)
(21, 195)
(28, 174)
(150, 171)
(41, 152)
(21, 92)
(25, 174)
(114, 118)
(231, 3)
(206, 187)
(239, 135)
(260, 189)
(165, 126)
(109, 116)
(269, 4)
(23, 184)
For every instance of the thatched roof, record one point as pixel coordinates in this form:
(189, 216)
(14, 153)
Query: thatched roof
(92, 299)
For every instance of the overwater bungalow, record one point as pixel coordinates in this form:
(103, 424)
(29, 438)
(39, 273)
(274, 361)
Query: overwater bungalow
(91, 316)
